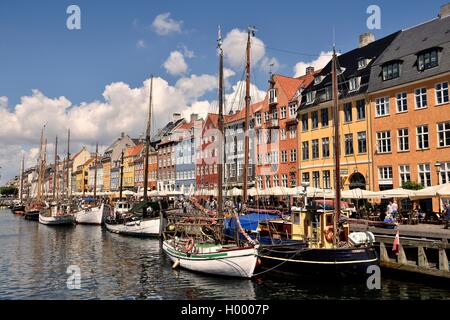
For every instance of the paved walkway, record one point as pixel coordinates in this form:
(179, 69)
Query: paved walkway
(418, 230)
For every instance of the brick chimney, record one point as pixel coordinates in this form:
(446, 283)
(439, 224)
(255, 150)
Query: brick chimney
(194, 117)
(309, 70)
(366, 38)
(445, 11)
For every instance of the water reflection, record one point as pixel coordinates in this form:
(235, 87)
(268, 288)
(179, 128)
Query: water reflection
(35, 259)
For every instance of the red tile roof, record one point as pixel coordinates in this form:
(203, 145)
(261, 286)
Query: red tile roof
(134, 151)
(241, 114)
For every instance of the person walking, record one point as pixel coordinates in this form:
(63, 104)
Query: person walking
(446, 213)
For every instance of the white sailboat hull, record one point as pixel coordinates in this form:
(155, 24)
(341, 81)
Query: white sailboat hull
(92, 215)
(57, 220)
(240, 262)
(138, 228)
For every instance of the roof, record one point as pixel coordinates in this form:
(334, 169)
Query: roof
(406, 46)
(348, 64)
(134, 151)
(240, 115)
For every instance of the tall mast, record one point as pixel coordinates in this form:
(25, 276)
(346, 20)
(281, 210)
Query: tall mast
(68, 162)
(221, 130)
(55, 169)
(44, 164)
(337, 171)
(147, 147)
(247, 114)
(95, 171)
(121, 176)
(21, 178)
(40, 166)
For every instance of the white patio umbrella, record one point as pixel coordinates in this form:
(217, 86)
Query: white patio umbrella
(444, 190)
(396, 193)
(252, 192)
(359, 194)
(235, 192)
(128, 193)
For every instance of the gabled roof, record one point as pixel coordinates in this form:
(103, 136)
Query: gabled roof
(240, 115)
(406, 46)
(134, 151)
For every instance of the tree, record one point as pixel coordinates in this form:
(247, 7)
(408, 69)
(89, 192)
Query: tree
(8, 191)
(412, 185)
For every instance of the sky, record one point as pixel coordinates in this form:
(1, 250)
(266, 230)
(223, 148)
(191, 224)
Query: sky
(95, 80)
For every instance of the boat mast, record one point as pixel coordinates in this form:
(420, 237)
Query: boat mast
(95, 171)
(221, 130)
(121, 176)
(147, 148)
(251, 30)
(68, 162)
(21, 178)
(40, 166)
(55, 169)
(43, 167)
(337, 175)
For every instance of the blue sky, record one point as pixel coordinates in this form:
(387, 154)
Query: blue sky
(37, 51)
(95, 80)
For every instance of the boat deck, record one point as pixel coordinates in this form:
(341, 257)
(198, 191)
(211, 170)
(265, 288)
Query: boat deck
(430, 231)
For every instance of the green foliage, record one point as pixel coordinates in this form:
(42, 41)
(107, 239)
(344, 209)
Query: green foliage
(8, 191)
(412, 185)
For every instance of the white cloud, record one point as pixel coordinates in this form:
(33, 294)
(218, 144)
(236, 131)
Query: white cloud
(319, 63)
(175, 63)
(235, 100)
(141, 44)
(234, 46)
(164, 25)
(196, 86)
(187, 53)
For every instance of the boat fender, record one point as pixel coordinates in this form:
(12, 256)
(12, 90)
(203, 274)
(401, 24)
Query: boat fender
(189, 245)
(329, 234)
(176, 264)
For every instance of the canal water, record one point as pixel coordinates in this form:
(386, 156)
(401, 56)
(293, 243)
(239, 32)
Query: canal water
(35, 260)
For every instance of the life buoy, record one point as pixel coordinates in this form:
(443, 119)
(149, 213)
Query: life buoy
(329, 234)
(189, 245)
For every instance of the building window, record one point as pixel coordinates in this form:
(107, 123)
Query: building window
(283, 113)
(324, 117)
(293, 155)
(305, 122)
(444, 134)
(317, 79)
(403, 139)
(384, 142)
(292, 110)
(325, 147)
(266, 117)
(354, 83)
(283, 134)
(421, 98)
(292, 132)
(423, 141)
(405, 174)
(445, 173)
(382, 106)
(362, 63)
(316, 179)
(305, 177)
(326, 179)
(385, 175)
(272, 96)
(284, 157)
(259, 181)
(284, 180)
(427, 60)
(362, 142)
(348, 140)
(305, 150)
(267, 182)
(402, 102)
(391, 71)
(258, 118)
(314, 119)
(424, 174)
(315, 148)
(348, 112)
(360, 109)
(276, 181)
(310, 97)
(442, 93)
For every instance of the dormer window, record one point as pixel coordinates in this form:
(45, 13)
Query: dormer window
(362, 63)
(318, 79)
(391, 70)
(427, 60)
(272, 96)
(354, 83)
(310, 96)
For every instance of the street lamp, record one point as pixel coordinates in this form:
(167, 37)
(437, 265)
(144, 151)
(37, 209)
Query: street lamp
(437, 165)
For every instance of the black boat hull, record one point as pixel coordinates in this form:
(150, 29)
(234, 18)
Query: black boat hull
(299, 260)
(31, 215)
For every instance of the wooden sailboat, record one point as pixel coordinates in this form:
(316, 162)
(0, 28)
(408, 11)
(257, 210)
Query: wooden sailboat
(92, 212)
(325, 246)
(148, 224)
(197, 244)
(35, 206)
(58, 213)
(19, 207)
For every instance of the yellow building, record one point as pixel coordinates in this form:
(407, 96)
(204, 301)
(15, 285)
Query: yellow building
(128, 165)
(315, 114)
(106, 162)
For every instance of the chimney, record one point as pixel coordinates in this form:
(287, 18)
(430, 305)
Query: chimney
(445, 11)
(309, 70)
(366, 38)
(194, 117)
(176, 117)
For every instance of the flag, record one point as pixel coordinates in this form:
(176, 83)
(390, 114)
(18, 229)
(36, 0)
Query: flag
(219, 38)
(396, 245)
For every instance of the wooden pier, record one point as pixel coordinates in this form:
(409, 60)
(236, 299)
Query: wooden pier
(423, 249)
